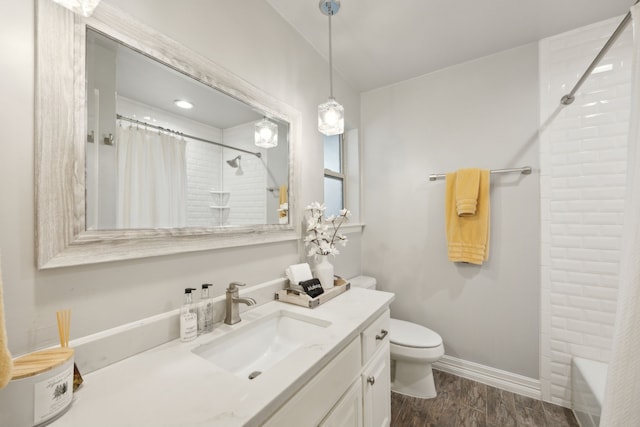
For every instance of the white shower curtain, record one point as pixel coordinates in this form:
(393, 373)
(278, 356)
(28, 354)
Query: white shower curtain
(152, 179)
(621, 406)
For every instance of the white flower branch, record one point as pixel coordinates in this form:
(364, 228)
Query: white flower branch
(320, 238)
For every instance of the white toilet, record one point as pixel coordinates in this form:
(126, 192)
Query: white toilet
(413, 349)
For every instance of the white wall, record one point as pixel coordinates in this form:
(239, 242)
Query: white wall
(101, 106)
(275, 161)
(583, 162)
(236, 34)
(484, 114)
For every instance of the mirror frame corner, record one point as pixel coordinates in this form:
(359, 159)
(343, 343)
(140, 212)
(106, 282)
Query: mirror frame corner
(60, 133)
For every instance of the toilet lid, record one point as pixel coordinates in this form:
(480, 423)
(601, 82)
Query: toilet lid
(411, 335)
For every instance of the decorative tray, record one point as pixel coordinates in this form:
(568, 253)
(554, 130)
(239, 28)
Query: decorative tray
(294, 296)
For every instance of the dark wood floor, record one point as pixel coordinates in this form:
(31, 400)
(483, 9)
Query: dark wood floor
(465, 403)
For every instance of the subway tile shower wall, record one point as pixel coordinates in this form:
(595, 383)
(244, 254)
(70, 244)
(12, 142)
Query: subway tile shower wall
(247, 198)
(203, 174)
(583, 171)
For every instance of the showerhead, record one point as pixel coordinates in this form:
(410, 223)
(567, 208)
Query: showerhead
(235, 162)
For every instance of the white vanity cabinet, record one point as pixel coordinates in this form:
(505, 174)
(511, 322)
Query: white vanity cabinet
(352, 390)
(323, 381)
(376, 373)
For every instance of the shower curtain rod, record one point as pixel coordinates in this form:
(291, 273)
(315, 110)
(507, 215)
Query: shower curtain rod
(570, 97)
(525, 170)
(129, 119)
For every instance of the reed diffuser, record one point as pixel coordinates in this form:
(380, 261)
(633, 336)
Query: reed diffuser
(64, 326)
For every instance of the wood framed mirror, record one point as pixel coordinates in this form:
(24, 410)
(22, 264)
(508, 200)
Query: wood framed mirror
(72, 205)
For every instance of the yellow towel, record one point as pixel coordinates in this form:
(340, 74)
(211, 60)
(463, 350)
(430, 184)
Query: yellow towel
(468, 236)
(283, 194)
(283, 201)
(467, 187)
(6, 364)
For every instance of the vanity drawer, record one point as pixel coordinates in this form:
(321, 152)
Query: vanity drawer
(376, 334)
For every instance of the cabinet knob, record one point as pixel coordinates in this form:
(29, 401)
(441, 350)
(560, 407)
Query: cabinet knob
(383, 333)
(371, 380)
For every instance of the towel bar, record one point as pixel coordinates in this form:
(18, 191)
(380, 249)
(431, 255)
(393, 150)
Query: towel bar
(525, 170)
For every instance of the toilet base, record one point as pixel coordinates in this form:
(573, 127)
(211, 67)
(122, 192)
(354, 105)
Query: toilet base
(413, 379)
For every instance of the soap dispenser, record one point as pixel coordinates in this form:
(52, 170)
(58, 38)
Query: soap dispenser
(188, 318)
(205, 310)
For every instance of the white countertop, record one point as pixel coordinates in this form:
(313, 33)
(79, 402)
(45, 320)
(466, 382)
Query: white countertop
(171, 386)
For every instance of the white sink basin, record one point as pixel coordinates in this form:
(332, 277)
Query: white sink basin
(257, 346)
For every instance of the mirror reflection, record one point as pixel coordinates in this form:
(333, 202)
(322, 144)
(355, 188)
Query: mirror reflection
(167, 151)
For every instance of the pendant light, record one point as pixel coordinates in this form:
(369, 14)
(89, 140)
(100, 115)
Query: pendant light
(330, 113)
(266, 134)
(83, 7)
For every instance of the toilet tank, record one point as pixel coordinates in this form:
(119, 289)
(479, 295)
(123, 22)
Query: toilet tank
(366, 282)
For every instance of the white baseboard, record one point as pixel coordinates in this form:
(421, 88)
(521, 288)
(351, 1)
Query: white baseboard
(491, 376)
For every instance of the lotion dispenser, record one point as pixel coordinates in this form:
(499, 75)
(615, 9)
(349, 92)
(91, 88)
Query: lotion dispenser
(188, 318)
(205, 310)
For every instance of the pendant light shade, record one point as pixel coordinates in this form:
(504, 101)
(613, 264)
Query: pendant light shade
(266, 134)
(83, 7)
(330, 113)
(331, 118)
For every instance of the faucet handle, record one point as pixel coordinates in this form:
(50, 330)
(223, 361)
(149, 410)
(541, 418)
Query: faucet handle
(232, 286)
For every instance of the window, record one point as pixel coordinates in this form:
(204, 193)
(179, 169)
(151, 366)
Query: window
(334, 174)
(342, 174)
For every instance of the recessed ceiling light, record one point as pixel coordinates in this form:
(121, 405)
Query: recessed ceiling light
(183, 104)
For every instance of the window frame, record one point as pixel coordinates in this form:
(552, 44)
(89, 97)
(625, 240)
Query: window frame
(342, 176)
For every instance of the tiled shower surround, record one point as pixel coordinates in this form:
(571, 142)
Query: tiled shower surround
(203, 174)
(582, 172)
(207, 170)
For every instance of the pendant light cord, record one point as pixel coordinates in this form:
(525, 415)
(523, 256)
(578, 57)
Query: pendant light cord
(330, 56)
(330, 113)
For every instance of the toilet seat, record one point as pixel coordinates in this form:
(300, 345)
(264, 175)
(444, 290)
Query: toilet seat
(409, 334)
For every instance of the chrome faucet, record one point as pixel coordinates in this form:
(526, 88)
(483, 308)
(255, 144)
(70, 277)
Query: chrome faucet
(232, 315)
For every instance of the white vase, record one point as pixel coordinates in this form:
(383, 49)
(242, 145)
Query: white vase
(324, 272)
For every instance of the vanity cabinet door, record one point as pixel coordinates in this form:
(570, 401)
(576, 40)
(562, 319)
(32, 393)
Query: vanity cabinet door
(376, 386)
(310, 405)
(348, 411)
